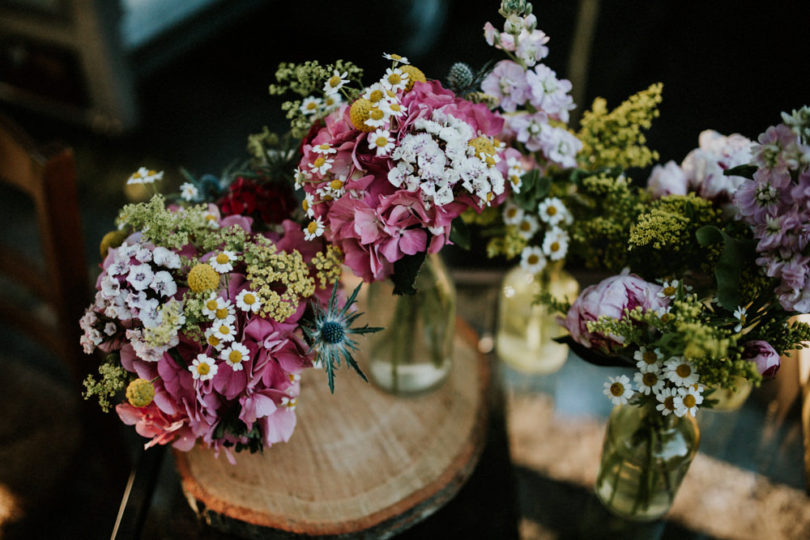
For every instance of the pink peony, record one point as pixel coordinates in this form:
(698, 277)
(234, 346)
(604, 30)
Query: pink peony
(160, 428)
(763, 355)
(610, 297)
(667, 180)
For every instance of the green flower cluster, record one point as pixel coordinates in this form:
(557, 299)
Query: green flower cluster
(113, 380)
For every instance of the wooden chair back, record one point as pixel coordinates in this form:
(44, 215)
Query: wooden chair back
(48, 177)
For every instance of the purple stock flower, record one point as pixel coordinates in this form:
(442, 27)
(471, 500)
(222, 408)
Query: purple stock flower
(507, 82)
(549, 94)
(763, 355)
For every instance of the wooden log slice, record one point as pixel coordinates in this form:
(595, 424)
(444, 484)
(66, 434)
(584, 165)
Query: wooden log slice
(360, 462)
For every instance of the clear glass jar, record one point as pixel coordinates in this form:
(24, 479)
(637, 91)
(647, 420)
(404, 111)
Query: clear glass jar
(645, 457)
(414, 352)
(526, 330)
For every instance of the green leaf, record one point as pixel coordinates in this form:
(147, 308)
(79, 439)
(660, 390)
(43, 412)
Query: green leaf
(534, 189)
(734, 256)
(405, 271)
(460, 234)
(741, 170)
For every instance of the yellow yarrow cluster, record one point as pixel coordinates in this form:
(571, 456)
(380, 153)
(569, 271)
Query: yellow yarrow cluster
(328, 265)
(140, 393)
(270, 271)
(202, 277)
(615, 138)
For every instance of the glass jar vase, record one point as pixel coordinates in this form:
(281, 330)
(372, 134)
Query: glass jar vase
(645, 457)
(414, 352)
(526, 329)
(732, 399)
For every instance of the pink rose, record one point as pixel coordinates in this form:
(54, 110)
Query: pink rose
(610, 297)
(763, 355)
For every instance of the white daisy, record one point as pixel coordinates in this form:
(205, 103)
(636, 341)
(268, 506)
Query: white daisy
(212, 339)
(532, 259)
(680, 371)
(224, 331)
(189, 191)
(649, 382)
(212, 304)
(163, 284)
(140, 276)
(294, 377)
(512, 213)
(514, 174)
(203, 368)
(211, 219)
(314, 229)
(666, 401)
(552, 211)
(381, 141)
(741, 314)
(324, 148)
(396, 58)
(248, 301)
(394, 79)
(618, 389)
(375, 93)
(334, 83)
(308, 204)
(321, 165)
(377, 117)
(332, 101)
(668, 289)
(648, 359)
(235, 355)
(528, 226)
(289, 403)
(688, 399)
(310, 105)
(555, 244)
(392, 108)
(144, 176)
(223, 261)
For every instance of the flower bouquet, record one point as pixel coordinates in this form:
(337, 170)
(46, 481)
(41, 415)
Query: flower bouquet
(208, 314)
(717, 247)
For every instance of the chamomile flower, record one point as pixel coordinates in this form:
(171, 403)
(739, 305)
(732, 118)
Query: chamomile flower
(224, 331)
(223, 261)
(618, 389)
(334, 83)
(212, 304)
(392, 108)
(324, 148)
(248, 301)
(212, 339)
(741, 314)
(688, 399)
(512, 213)
(668, 289)
(396, 58)
(649, 382)
(321, 165)
(532, 259)
(648, 360)
(375, 94)
(144, 176)
(308, 204)
(314, 229)
(189, 192)
(552, 211)
(330, 334)
(211, 219)
(528, 226)
(381, 142)
(666, 401)
(203, 368)
(394, 79)
(555, 244)
(680, 371)
(334, 189)
(289, 403)
(376, 116)
(235, 355)
(514, 174)
(332, 101)
(310, 105)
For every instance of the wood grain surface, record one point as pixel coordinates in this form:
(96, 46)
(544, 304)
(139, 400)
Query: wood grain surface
(359, 462)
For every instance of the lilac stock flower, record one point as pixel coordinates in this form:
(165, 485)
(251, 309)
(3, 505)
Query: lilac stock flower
(611, 297)
(778, 149)
(560, 146)
(531, 47)
(763, 355)
(549, 94)
(527, 128)
(667, 180)
(507, 82)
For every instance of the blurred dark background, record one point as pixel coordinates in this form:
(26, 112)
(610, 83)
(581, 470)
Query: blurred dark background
(133, 84)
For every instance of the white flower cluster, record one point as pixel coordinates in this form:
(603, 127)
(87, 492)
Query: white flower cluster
(674, 383)
(442, 153)
(554, 245)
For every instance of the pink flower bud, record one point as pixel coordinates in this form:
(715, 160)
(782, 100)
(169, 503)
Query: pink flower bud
(763, 355)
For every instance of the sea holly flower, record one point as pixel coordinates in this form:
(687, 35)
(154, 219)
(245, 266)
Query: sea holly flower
(618, 389)
(330, 335)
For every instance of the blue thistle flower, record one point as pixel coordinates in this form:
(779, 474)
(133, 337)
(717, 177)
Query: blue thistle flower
(331, 335)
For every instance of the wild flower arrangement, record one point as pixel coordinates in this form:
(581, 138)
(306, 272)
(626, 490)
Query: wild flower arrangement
(387, 168)
(208, 316)
(718, 250)
(552, 161)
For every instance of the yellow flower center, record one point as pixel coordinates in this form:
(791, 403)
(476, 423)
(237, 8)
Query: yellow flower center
(533, 259)
(394, 79)
(649, 357)
(318, 163)
(210, 217)
(555, 246)
(336, 184)
(235, 357)
(305, 205)
(326, 198)
(689, 400)
(617, 389)
(222, 313)
(324, 146)
(334, 81)
(551, 210)
(213, 340)
(396, 57)
(483, 147)
(224, 330)
(669, 290)
(395, 106)
(525, 226)
(515, 179)
(249, 299)
(312, 228)
(376, 114)
(202, 278)
(669, 403)
(512, 212)
(666, 317)
(649, 379)
(683, 370)
(211, 305)
(203, 368)
(375, 96)
(312, 105)
(140, 393)
(222, 258)
(490, 196)
(381, 142)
